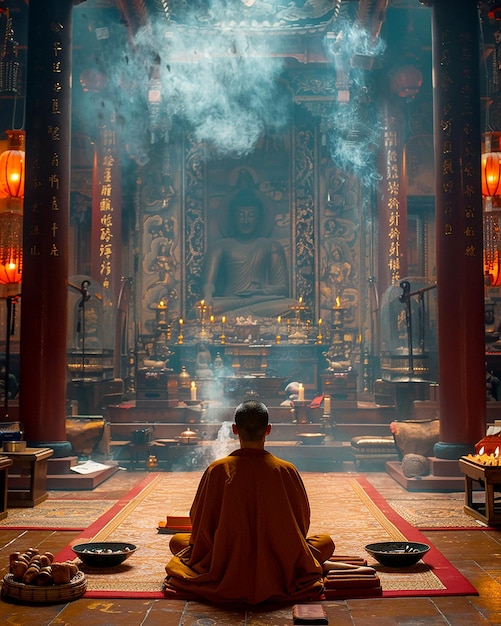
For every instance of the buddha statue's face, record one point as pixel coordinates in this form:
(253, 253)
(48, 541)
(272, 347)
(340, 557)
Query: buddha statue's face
(246, 220)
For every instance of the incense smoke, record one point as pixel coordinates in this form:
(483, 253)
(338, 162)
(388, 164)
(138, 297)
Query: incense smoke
(224, 85)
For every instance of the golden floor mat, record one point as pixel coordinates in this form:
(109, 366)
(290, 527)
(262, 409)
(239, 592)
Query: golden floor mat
(345, 506)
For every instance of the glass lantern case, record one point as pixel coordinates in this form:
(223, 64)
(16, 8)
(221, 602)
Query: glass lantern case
(409, 350)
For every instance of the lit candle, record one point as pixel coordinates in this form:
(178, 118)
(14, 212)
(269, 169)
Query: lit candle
(193, 390)
(212, 319)
(300, 393)
(327, 405)
(278, 336)
(320, 337)
(181, 324)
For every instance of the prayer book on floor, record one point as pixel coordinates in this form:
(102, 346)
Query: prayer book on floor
(177, 521)
(309, 614)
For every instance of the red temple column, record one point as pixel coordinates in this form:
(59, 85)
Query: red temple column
(460, 287)
(42, 399)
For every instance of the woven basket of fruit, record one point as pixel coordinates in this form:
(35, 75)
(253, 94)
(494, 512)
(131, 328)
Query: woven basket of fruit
(36, 578)
(45, 594)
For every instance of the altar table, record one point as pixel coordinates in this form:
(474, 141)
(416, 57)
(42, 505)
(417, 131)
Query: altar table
(489, 478)
(30, 487)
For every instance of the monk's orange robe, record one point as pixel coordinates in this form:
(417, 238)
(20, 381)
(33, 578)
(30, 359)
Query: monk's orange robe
(250, 519)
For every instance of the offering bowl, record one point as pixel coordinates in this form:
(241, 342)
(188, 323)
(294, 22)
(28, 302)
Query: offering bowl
(104, 554)
(397, 553)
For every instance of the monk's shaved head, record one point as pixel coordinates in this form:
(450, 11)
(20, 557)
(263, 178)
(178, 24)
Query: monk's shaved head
(251, 419)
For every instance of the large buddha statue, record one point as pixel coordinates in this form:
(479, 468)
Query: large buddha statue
(246, 273)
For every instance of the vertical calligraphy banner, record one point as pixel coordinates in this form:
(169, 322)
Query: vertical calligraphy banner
(392, 204)
(106, 252)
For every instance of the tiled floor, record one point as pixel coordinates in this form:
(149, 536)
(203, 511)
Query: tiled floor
(475, 553)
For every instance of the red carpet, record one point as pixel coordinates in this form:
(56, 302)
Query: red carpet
(346, 506)
(451, 578)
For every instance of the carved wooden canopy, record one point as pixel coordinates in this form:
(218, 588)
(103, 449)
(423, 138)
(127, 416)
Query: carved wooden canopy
(287, 17)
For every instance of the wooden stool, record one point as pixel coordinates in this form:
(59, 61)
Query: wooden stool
(374, 448)
(138, 454)
(29, 487)
(5, 463)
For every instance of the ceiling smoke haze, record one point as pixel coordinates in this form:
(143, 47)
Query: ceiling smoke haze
(355, 131)
(224, 84)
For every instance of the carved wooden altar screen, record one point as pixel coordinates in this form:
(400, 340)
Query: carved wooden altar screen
(313, 207)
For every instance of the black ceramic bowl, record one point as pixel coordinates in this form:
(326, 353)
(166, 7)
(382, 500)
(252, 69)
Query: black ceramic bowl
(104, 554)
(397, 553)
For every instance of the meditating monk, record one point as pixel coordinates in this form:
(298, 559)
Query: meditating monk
(250, 519)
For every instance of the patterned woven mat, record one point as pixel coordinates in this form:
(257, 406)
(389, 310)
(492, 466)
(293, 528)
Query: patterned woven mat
(428, 510)
(73, 510)
(57, 514)
(340, 505)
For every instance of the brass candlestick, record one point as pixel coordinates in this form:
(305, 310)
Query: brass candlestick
(222, 337)
(297, 308)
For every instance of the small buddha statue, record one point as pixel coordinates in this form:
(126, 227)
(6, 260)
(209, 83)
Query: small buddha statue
(203, 362)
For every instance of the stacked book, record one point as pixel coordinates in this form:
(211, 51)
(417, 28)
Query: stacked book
(175, 522)
(350, 577)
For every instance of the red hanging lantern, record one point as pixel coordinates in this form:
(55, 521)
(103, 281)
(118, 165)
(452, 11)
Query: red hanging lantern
(92, 80)
(406, 81)
(490, 169)
(491, 174)
(11, 246)
(12, 166)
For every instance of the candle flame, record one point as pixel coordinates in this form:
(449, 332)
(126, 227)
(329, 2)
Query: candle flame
(338, 302)
(481, 451)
